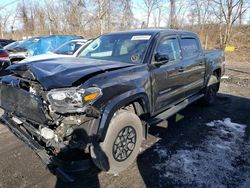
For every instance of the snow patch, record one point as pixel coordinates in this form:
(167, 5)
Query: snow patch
(228, 125)
(212, 163)
(162, 152)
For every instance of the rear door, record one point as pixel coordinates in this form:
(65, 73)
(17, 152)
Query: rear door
(194, 64)
(167, 79)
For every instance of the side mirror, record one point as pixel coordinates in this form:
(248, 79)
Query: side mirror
(161, 58)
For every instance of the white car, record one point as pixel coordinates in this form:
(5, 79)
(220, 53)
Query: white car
(69, 49)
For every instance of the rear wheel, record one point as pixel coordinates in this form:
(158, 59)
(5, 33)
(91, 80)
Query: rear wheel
(210, 93)
(121, 145)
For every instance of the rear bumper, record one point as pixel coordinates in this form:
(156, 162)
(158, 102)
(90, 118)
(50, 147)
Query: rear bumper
(55, 165)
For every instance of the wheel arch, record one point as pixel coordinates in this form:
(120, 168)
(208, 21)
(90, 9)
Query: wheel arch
(137, 98)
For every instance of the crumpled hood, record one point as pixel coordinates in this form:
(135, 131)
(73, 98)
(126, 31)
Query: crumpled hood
(63, 72)
(46, 56)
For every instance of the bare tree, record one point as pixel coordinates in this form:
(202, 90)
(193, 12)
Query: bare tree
(176, 13)
(159, 8)
(74, 12)
(172, 14)
(93, 17)
(157, 15)
(243, 10)
(103, 15)
(26, 16)
(150, 6)
(56, 17)
(4, 18)
(127, 14)
(202, 11)
(228, 11)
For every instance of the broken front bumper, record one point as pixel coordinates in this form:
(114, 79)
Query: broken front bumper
(26, 117)
(55, 165)
(19, 101)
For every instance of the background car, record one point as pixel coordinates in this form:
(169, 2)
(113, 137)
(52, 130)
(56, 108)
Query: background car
(13, 44)
(69, 49)
(36, 46)
(4, 62)
(4, 42)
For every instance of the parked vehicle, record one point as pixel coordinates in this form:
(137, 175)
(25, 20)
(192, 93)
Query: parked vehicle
(4, 42)
(101, 104)
(4, 62)
(69, 49)
(12, 45)
(36, 46)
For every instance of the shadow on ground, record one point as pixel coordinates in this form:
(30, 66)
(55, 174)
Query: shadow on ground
(190, 139)
(186, 150)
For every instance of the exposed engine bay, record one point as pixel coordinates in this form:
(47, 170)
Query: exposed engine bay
(59, 120)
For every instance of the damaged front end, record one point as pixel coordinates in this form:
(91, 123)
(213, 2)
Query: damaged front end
(59, 125)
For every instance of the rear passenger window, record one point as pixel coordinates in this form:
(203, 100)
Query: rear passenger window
(189, 47)
(170, 47)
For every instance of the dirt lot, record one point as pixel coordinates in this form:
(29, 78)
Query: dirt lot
(202, 147)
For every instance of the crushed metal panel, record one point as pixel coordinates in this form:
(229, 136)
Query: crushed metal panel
(63, 72)
(21, 103)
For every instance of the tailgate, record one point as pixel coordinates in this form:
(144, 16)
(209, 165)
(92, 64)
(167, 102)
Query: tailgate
(20, 102)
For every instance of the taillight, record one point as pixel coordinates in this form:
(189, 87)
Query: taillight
(4, 55)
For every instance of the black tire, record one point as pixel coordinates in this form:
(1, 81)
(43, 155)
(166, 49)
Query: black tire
(121, 145)
(210, 94)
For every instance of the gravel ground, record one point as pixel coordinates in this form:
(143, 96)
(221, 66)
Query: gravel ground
(202, 147)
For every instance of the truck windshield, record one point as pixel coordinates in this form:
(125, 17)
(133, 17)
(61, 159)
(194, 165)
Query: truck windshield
(127, 48)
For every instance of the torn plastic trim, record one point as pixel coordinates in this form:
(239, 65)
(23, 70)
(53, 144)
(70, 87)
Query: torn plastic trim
(61, 138)
(41, 133)
(23, 71)
(21, 102)
(62, 168)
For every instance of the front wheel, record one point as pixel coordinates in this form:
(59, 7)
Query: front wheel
(121, 145)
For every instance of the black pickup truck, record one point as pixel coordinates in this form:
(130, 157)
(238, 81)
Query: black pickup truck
(99, 106)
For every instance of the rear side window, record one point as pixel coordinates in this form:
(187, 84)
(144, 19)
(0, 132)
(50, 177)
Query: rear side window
(189, 47)
(170, 47)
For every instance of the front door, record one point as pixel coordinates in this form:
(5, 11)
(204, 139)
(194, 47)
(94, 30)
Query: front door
(167, 79)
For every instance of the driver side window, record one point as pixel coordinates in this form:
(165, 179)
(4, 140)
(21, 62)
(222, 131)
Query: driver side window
(170, 47)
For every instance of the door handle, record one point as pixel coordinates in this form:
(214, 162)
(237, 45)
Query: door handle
(181, 69)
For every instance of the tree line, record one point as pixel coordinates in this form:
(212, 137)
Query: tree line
(212, 19)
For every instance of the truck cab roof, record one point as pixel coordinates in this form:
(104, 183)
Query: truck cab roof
(153, 32)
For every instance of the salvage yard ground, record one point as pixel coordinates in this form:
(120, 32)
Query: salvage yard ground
(207, 146)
